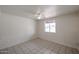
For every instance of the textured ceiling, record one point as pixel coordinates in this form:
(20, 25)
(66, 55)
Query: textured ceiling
(46, 11)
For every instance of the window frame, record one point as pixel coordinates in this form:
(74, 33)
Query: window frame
(53, 21)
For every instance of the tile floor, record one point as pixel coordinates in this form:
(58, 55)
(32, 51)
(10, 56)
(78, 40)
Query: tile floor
(39, 46)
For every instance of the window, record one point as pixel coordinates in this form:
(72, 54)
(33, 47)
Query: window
(50, 26)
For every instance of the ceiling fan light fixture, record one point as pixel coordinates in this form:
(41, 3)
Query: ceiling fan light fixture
(39, 17)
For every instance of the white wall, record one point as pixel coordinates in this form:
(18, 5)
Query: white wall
(67, 30)
(15, 30)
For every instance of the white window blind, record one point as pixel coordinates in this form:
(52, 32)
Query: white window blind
(50, 26)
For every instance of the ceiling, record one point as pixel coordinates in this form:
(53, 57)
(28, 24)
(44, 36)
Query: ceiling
(33, 11)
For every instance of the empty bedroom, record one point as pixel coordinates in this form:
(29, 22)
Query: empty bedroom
(39, 29)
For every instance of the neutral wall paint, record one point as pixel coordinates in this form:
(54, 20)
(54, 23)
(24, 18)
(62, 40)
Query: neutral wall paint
(15, 30)
(67, 30)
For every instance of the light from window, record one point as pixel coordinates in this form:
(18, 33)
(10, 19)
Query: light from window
(50, 27)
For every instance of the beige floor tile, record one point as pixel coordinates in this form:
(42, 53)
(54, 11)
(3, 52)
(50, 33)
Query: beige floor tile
(39, 46)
